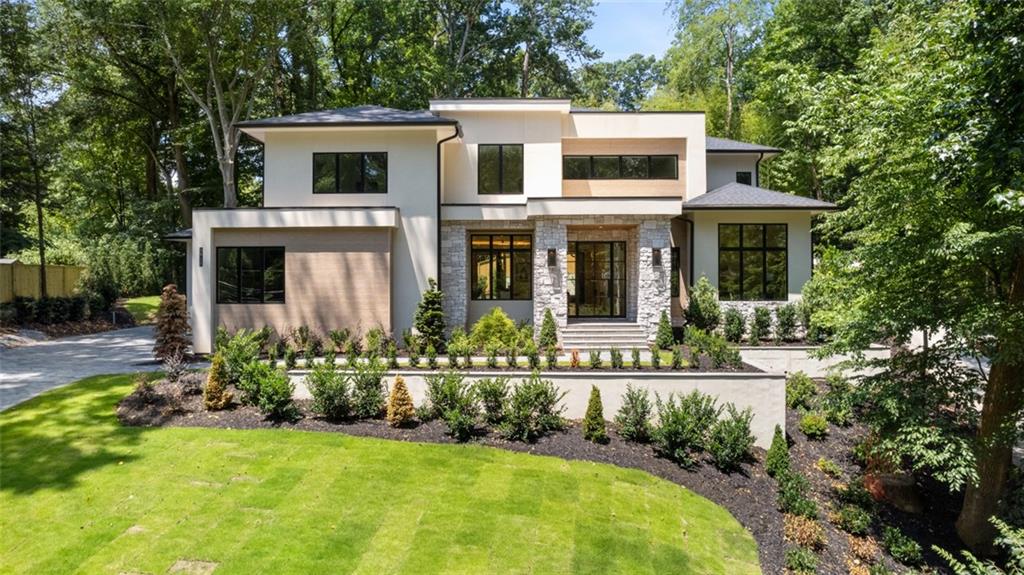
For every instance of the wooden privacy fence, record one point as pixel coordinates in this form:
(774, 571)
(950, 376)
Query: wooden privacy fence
(22, 280)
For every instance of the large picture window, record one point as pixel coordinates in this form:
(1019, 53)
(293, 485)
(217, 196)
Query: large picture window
(500, 168)
(502, 267)
(620, 167)
(350, 173)
(752, 262)
(250, 275)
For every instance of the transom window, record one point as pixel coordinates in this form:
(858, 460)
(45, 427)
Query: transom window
(502, 267)
(752, 262)
(620, 167)
(350, 173)
(250, 275)
(500, 169)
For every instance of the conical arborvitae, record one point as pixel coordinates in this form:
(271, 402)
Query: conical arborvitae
(216, 395)
(593, 422)
(400, 408)
(171, 324)
(776, 461)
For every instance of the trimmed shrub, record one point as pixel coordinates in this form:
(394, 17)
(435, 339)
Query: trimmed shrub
(793, 495)
(634, 358)
(800, 561)
(683, 424)
(634, 417)
(595, 359)
(776, 461)
(331, 392)
(494, 326)
(761, 325)
(814, 426)
(664, 338)
(548, 331)
(677, 358)
(443, 391)
(551, 357)
(275, 396)
(429, 319)
(902, 548)
(730, 440)
(392, 355)
(461, 417)
(719, 351)
(735, 325)
(253, 375)
(703, 311)
(239, 351)
(171, 324)
(368, 397)
(828, 467)
(533, 410)
(852, 519)
(400, 410)
(655, 357)
(803, 531)
(532, 355)
(837, 403)
(785, 322)
(493, 395)
(216, 395)
(593, 422)
(800, 391)
(616, 358)
(290, 357)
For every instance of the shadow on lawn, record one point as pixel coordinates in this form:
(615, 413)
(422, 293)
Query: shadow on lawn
(49, 441)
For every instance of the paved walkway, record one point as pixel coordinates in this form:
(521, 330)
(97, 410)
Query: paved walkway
(29, 370)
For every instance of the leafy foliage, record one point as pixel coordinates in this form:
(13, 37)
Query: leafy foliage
(634, 417)
(275, 396)
(368, 398)
(664, 338)
(494, 328)
(793, 488)
(760, 325)
(548, 331)
(331, 390)
(785, 322)
(814, 426)
(801, 561)
(853, 519)
(533, 410)
(703, 311)
(776, 461)
(803, 531)
(593, 421)
(800, 391)
(683, 425)
(240, 350)
(900, 546)
(735, 325)
(429, 319)
(493, 395)
(730, 439)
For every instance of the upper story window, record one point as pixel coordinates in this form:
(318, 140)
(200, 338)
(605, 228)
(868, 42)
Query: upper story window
(250, 275)
(350, 173)
(752, 262)
(500, 168)
(620, 167)
(744, 178)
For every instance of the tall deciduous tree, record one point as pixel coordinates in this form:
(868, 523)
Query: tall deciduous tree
(622, 84)
(552, 37)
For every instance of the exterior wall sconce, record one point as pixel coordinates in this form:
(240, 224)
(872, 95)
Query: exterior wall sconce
(552, 258)
(656, 257)
(200, 257)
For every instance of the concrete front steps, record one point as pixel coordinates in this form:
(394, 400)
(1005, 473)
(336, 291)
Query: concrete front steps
(603, 335)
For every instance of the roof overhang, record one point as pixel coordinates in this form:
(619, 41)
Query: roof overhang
(275, 218)
(501, 105)
(259, 132)
(182, 235)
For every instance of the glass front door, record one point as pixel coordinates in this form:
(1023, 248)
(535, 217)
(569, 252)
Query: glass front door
(597, 279)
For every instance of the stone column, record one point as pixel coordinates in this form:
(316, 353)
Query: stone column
(550, 283)
(453, 274)
(655, 288)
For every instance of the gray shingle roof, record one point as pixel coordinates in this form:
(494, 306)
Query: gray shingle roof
(736, 196)
(358, 115)
(726, 145)
(179, 235)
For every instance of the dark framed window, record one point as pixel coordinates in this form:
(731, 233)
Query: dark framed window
(500, 169)
(350, 173)
(502, 267)
(250, 275)
(620, 167)
(752, 262)
(674, 281)
(744, 178)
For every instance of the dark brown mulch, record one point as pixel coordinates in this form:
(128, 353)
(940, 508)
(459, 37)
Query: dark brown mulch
(749, 494)
(932, 527)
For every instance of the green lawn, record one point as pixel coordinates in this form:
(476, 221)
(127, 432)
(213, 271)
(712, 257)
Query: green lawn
(143, 308)
(80, 494)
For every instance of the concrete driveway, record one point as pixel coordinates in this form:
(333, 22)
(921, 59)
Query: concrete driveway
(29, 370)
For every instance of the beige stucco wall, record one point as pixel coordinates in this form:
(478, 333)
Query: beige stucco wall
(626, 146)
(722, 168)
(334, 278)
(705, 241)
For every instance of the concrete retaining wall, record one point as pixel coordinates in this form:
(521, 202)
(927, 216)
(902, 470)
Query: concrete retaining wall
(763, 393)
(787, 359)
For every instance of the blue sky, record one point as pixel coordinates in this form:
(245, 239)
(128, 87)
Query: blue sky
(625, 27)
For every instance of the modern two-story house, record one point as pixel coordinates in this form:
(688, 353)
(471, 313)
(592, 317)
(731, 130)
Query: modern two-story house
(604, 218)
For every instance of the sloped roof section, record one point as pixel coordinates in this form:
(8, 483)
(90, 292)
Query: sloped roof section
(179, 235)
(736, 196)
(725, 145)
(355, 116)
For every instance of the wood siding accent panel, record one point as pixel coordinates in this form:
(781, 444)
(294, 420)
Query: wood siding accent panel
(334, 278)
(625, 147)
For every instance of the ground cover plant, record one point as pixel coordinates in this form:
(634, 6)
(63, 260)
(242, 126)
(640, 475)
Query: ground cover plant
(130, 499)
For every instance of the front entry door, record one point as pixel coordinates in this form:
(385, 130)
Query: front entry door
(597, 279)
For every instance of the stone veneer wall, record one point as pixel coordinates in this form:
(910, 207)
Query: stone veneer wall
(549, 284)
(655, 287)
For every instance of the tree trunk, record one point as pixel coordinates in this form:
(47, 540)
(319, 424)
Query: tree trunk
(180, 165)
(729, 40)
(1004, 398)
(227, 172)
(40, 235)
(525, 80)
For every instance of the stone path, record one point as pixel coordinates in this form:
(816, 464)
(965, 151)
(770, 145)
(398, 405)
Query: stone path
(31, 369)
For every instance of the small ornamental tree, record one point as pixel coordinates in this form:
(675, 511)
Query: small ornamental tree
(664, 339)
(216, 395)
(776, 461)
(171, 324)
(429, 319)
(400, 407)
(703, 310)
(548, 331)
(593, 422)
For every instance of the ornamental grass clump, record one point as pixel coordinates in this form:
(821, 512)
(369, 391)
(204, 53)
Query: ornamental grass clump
(634, 417)
(400, 411)
(683, 425)
(776, 461)
(735, 325)
(593, 422)
(533, 409)
(730, 440)
(216, 395)
(331, 391)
